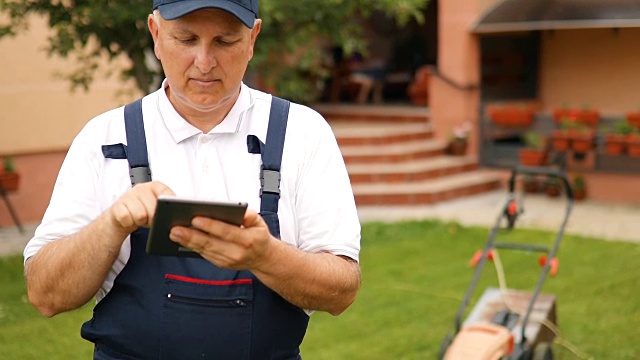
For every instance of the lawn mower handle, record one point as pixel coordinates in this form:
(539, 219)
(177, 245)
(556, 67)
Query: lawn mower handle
(539, 170)
(529, 170)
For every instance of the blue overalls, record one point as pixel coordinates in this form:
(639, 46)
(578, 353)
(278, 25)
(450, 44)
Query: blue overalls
(187, 308)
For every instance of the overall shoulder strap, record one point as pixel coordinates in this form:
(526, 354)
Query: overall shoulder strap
(137, 156)
(272, 156)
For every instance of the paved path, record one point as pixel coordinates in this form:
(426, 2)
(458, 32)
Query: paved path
(12, 241)
(588, 218)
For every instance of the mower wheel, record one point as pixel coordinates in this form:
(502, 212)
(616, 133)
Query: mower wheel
(542, 351)
(444, 346)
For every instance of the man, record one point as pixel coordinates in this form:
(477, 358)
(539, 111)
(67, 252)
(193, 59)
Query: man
(244, 298)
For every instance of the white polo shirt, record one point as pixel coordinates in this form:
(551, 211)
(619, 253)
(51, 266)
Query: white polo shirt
(317, 210)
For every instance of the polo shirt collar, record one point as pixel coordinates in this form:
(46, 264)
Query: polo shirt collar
(181, 130)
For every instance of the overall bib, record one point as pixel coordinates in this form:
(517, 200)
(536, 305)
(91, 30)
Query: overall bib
(187, 308)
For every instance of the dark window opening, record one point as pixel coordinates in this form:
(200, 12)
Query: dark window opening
(509, 67)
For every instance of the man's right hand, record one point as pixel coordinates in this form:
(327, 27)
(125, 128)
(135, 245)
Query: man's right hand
(67, 273)
(137, 206)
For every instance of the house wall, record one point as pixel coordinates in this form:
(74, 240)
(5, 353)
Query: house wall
(597, 68)
(592, 67)
(40, 116)
(38, 172)
(458, 61)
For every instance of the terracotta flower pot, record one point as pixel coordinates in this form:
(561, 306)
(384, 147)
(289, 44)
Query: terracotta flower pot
(552, 190)
(579, 194)
(511, 116)
(9, 181)
(532, 157)
(615, 144)
(530, 186)
(582, 141)
(590, 118)
(560, 140)
(457, 147)
(633, 145)
(634, 119)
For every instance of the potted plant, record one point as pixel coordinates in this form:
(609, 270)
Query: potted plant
(579, 187)
(552, 186)
(633, 143)
(511, 115)
(560, 137)
(633, 118)
(533, 154)
(458, 139)
(582, 138)
(585, 115)
(9, 178)
(615, 139)
(530, 184)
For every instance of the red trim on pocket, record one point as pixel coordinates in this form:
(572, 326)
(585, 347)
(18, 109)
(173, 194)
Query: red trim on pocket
(208, 282)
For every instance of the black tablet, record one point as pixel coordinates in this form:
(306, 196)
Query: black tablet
(173, 211)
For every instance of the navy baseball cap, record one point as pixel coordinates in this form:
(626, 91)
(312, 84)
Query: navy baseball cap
(245, 10)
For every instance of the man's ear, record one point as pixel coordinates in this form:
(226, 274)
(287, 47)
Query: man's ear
(254, 33)
(153, 29)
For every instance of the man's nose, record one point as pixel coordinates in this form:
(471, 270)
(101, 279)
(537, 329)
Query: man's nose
(205, 59)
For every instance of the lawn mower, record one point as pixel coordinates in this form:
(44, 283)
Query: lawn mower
(509, 324)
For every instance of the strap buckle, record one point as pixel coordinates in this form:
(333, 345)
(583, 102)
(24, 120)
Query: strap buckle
(269, 181)
(139, 174)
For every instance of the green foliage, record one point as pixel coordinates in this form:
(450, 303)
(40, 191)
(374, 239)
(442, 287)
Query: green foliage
(533, 139)
(621, 127)
(579, 182)
(288, 56)
(415, 275)
(116, 27)
(296, 36)
(8, 165)
(24, 334)
(568, 124)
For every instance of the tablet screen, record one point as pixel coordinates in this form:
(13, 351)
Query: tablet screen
(173, 211)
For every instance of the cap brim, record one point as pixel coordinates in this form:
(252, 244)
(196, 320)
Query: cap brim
(178, 9)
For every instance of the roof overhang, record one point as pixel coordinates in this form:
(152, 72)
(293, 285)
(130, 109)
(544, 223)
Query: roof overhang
(534, 15)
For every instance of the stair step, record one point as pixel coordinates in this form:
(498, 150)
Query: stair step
(411, 170)
(393, 157)
(372, 133)
(394, 152)
(426, 191)
(387, 113)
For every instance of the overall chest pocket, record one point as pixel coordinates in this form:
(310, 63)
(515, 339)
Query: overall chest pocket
(205, 319)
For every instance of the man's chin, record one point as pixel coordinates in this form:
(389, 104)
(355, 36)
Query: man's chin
(210, 103)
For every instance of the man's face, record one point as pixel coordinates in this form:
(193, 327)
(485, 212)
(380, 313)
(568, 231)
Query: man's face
(204, 55)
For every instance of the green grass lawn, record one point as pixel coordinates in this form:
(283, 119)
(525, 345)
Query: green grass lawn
(414, 276)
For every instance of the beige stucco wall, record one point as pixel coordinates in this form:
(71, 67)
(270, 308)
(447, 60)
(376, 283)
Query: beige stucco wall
(458, 60)
(39, 116)
(598, 68)
(39, 113)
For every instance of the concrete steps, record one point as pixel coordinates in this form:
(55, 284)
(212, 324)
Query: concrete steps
(389, 153)
(427, 191)
(410, 171)
(394, 158)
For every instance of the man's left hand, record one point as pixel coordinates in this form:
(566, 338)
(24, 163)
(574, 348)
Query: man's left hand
(225, 245)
